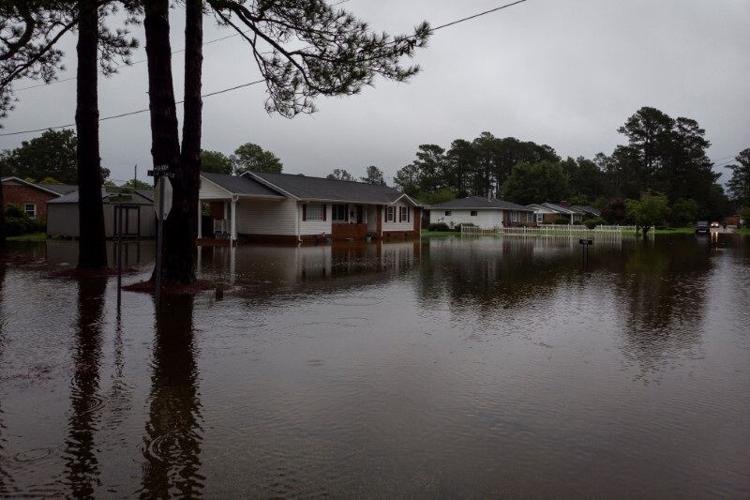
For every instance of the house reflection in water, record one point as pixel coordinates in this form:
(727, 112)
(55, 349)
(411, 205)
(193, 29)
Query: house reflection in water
(285, 266)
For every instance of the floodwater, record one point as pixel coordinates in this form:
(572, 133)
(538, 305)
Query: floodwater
(446, 368)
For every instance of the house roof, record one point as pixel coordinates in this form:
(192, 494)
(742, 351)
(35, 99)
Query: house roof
(480, 203)
(59, 188)
(142, 197)
(56, 189)
(558, 208)
(240, 185)
(587, 209)
(321, 189)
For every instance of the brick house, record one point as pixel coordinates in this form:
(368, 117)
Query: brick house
(30, 197)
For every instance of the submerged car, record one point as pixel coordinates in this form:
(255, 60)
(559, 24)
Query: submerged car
(714, 225)
(702, 228)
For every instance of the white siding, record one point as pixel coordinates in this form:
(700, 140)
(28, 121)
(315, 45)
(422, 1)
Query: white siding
(269, 217)
(210, 191)
(307, 227)
(399, 226)
(486, 219)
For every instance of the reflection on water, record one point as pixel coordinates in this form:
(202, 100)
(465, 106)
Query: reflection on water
(172, 444)
(487, 367)
(80, 447)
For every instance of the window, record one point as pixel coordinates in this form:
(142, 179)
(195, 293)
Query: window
(390, 214)
(313, 212)
(30, 210)
(403, 214)
(514, 216)
(539, 218)
(340, 213)
(448, 213)
(474, 213)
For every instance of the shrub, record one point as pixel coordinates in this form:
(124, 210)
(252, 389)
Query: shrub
(592, 222)
(17, 222)
(439, 226)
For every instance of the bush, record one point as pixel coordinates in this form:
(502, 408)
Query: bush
(439, 226)
(592, 222)
(18, 223)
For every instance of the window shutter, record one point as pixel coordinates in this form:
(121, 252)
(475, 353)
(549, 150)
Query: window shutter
(304, 212)
(324, 212)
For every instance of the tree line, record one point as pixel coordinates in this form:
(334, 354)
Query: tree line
(662, 155)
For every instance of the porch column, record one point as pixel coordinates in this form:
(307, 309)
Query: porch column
(200, 220)
(233, 226)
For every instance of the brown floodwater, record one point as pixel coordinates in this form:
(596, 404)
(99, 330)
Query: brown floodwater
(446, 368)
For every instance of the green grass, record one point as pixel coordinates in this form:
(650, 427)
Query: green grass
(28, 237)
(437, 234)
(744, 231)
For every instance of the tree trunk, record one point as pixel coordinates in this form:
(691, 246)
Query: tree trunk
(182, 229)
(2, 212)
(165, 143)
(92, 249)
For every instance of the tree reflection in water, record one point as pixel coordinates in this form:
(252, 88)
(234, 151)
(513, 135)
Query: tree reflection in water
(172, 444)
(662, 287)
(81, 463)
(6, 480)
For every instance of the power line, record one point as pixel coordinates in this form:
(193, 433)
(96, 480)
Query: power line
(478, 14)
(130, 113)
(256, 82)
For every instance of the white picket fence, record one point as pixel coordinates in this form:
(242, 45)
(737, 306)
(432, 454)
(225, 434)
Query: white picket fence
(548, 230)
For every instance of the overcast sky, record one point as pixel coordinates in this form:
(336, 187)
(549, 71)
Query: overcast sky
(562, 72)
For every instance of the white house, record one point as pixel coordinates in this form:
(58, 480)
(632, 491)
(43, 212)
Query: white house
(482, 212)
(296, 208)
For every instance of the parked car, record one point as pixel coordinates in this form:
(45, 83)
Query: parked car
(701, 227)
(714, 225)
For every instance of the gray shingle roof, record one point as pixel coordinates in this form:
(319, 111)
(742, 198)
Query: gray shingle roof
(319, 188)
(240, 185)
(142, 197)
(480, 203)
(59, 188)
(587, 209)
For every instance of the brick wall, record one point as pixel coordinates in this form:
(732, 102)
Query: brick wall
(19, 195)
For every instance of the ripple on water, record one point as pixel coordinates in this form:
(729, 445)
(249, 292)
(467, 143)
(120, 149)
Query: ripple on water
(32, 455)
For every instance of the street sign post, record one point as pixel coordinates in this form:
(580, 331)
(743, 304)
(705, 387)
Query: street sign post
(162, 207)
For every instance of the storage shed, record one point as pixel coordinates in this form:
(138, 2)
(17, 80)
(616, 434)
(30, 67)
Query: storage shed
(138, 214)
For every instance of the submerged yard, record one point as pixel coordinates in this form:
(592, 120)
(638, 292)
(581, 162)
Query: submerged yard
(441, 367)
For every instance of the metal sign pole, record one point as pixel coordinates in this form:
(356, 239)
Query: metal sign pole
(119, 210)
(163, 206)
(159, 237)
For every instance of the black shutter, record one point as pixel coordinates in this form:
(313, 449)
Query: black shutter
(304, 212)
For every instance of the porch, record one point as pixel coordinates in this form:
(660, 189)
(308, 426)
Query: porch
(217, 221)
